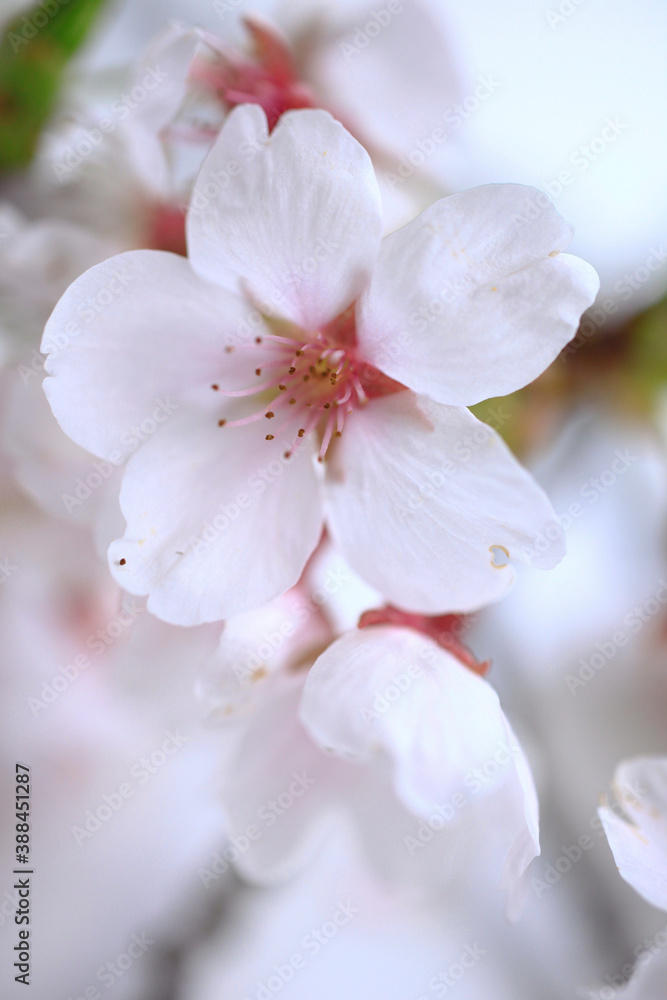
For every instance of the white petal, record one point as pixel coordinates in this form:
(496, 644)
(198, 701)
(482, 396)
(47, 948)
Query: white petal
(386, 690)
(293, 219)
(426, 503)
(216, 525)
(639, 843)
(474, 297)
(130, 334)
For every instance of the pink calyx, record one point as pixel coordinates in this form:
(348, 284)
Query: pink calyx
(267, 77)
(443, 629)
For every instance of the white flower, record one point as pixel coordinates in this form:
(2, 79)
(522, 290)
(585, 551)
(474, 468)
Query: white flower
(393, 731)
(291, 301)
(638, 837)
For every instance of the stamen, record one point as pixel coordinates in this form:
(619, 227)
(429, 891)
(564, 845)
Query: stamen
(322, 380)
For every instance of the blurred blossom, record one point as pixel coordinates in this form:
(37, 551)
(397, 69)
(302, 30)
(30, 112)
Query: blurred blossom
(302, 713)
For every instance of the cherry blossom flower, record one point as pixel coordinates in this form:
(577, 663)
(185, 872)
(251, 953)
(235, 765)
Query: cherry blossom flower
(387, 728)
(294, 332)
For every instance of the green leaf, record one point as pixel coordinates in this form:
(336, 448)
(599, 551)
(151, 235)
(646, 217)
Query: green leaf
(34, 51)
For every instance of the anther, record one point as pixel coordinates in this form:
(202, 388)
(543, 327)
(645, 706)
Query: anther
(269, 437)
(215, 386)
(221, 423)
(282, 388)
(258, 340)
(258, 371)
(291, 370)
(302, 431)
(292, 401)
(269, 414)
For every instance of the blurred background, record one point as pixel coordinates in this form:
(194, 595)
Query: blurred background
(138, 895)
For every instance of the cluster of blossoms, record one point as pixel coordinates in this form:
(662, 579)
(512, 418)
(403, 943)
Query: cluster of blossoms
(264, 373)
(319, 376)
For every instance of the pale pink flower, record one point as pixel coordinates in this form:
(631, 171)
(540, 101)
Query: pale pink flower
(293, 332)
(387, 730)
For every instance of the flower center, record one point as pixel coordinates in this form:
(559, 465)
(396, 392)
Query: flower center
(310, 385)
